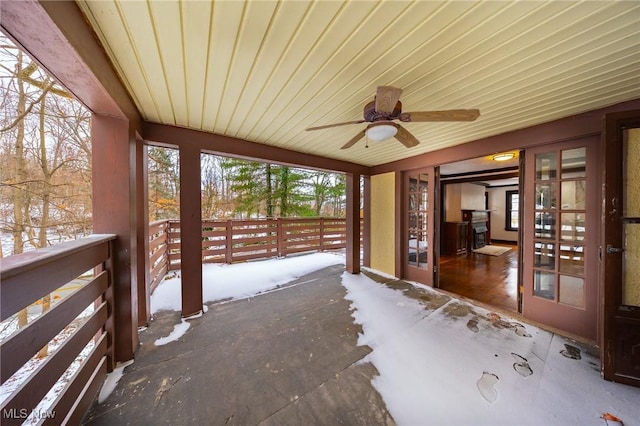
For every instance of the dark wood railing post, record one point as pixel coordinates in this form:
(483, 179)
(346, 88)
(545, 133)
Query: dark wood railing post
(353, 223)
(321, 248)
(228, 257)
(108, 299)
(273, 234)
(280, 237)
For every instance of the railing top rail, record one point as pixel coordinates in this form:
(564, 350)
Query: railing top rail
(20, 263)
(269, 218)
(158, 222)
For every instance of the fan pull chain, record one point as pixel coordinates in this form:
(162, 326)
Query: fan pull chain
(366, 141)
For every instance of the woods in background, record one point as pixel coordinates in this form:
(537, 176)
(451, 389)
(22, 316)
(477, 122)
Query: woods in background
(45, 157)
(241, 189)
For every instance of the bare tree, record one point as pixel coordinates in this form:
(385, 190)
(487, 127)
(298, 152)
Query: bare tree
(38, 160)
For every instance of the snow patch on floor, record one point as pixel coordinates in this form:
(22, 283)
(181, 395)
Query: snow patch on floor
(238, 281)
(178, 331)
(111, 381)
(436, 369)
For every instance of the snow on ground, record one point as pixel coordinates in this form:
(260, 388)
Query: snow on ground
(241, 280)
(111, 381)
(461, 364)
(178, 331)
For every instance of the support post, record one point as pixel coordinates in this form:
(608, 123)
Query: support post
(142, 233)
(353, 223)
(190, 230)
(115, 211)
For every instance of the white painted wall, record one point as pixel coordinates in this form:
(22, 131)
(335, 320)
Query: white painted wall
(497, 205)
(472, 197)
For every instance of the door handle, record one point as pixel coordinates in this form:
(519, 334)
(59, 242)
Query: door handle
(611, 249)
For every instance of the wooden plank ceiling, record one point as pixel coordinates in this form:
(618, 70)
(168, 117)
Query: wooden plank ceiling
(264, 71)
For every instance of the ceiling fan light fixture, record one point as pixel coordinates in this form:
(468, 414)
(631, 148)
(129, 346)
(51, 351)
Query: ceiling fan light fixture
(505, 156)
(381, 131)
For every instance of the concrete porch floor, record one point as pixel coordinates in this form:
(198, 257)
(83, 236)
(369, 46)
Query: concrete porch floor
(290, 357)
(285, 357)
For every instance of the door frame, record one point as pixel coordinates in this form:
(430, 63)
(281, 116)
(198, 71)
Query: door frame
(613, 314)
(520, 285)
(429, 275)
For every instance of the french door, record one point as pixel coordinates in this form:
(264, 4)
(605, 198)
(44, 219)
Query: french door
(560, 236)
(419, 254)
(620, 354)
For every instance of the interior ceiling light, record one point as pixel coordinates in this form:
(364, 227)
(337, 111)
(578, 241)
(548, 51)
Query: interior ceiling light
(381, 131)
(504, 156)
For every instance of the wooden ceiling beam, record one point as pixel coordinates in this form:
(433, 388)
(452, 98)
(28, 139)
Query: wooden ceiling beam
(577, 126)
(165, 135)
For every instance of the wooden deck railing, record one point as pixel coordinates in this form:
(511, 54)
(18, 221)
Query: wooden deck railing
(158, 252)
(241, 240)
(26, 278)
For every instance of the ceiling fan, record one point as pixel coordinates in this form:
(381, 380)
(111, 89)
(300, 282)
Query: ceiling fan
(386, 107)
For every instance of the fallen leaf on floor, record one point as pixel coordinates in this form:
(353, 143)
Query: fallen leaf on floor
(608, 417)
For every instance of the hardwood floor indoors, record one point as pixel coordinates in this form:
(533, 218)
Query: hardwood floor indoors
(492, 280)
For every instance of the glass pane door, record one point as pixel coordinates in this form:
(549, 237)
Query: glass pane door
(560, 262)
(419, 226)
(418, 243)
(560, 226)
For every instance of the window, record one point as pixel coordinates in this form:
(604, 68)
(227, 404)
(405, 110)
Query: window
(511, 213)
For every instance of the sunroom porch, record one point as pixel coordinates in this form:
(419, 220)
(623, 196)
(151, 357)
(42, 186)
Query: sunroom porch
(583, 80)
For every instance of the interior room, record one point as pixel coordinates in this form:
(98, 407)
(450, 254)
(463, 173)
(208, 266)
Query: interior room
(479, 229)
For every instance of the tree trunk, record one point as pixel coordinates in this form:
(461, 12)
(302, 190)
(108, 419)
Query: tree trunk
(284, 191)
(21, 171)
(21, 176)
(269, 192)
(46, 198)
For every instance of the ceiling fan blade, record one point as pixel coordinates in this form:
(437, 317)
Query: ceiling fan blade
(386, 98)
(406, 138)
(353, 141)
(327, 126)
(446, 115)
